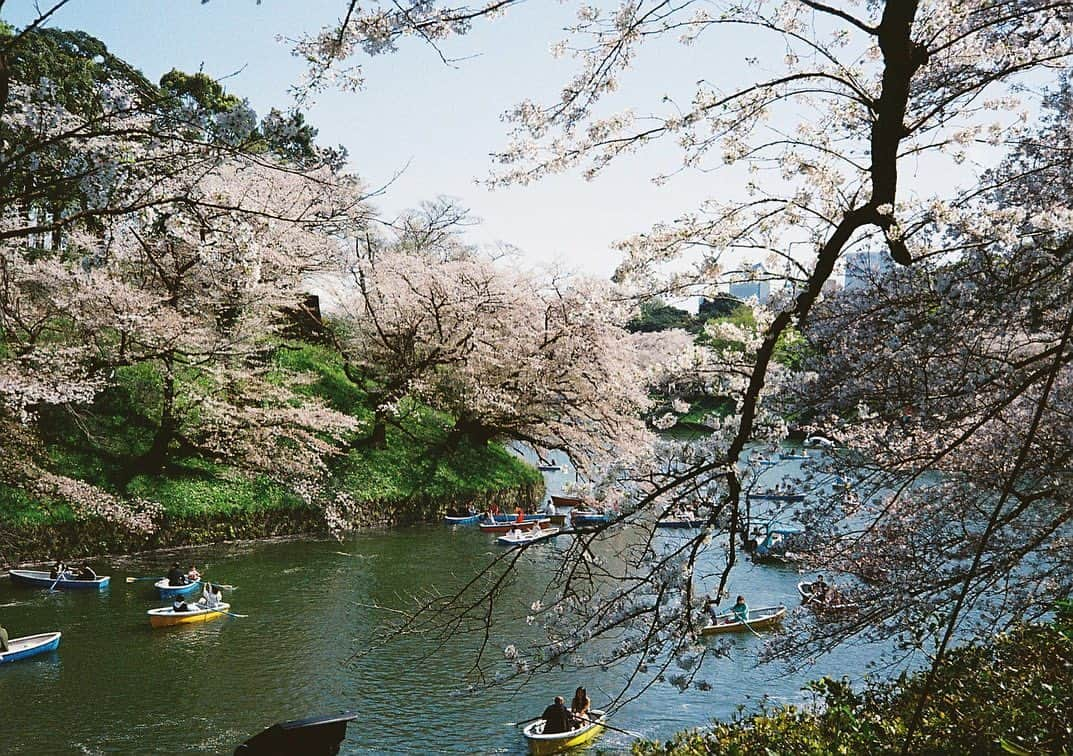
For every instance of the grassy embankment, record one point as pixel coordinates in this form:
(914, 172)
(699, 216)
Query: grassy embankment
(422, 460)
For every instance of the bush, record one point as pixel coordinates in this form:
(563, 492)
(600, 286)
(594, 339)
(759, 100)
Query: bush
(1009, 696)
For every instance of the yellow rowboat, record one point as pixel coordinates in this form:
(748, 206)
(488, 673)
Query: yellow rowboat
(540, 744)
(758, 620)
(166, 617)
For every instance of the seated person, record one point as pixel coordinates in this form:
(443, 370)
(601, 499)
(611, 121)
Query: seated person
(86, 573)
(579, 707)
(820, 589)
(175, 575)
(192, 575)
(740, 610)
(58, 569)
(557, 717)
(180, 605)
(210, 597)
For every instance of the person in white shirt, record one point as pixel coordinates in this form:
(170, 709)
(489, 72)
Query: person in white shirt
(210, 596)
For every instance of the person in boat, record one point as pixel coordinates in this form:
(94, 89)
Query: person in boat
(520, 515)
(86, 573)
(58, 570)
(820, 590)
(3, 639)
(180, 605)
(740, 610)
(549, 508)
(211, 596)
(175, 575)
(579, 707)
(557, 717)
(192, 574)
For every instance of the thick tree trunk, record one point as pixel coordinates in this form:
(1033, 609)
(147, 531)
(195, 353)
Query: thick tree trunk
(157, 455)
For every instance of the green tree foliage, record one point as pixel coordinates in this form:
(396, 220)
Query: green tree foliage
(208, 93)
(656, 315)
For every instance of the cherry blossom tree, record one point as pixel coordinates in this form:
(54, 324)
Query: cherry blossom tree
(505, 354)
(135, 230)
(842, 121)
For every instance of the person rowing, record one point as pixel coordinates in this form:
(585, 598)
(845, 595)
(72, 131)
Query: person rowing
(175, 575)
(557, 718)
(740, 611)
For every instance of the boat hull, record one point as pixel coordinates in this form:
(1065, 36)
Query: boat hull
(566, 501)
(540, 744)
(506, 527)
(545, 533)
(764, 618)
(831, 604)
(171, 591)
(41, 579)
(30, 645)
(679, 523)
(777, 496)
(165, 617)
(472, 519)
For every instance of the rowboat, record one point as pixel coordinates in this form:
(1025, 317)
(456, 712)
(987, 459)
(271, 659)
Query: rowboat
(517, 538)
(470, 519)
(681, 521)
(776, 495)
(166, 616)
(831, 602)
(589, 517)
(506, 527)
(549, 468)
(41, 579)
(567, 501)
(29, 645)
(315, 735)
(539, 743)
(776, 546)
(794, 455)
(758, 619)
(166, 590)
(505, 517)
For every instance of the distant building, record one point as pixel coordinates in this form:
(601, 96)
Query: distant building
(864, 269)
(753, 281)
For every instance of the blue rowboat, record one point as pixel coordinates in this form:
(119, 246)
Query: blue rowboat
(589, 518)
(41, 579)
(503, 517)
(171, 591)
(29, 645)
(471, 519)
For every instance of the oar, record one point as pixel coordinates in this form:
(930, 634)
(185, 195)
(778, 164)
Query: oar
(751, 630)
(524, 721)
(52, 587)
(135, 579)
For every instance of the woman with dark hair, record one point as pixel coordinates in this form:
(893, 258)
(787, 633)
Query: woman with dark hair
(579, 707)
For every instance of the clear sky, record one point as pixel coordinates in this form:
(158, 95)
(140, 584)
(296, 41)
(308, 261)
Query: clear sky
(436, 123)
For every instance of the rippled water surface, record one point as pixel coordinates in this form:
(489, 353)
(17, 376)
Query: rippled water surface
(117, 686)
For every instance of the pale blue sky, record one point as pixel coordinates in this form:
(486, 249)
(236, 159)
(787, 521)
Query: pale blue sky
(441, 121)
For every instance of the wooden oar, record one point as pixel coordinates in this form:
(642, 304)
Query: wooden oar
(135, 579)
(55, 582)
